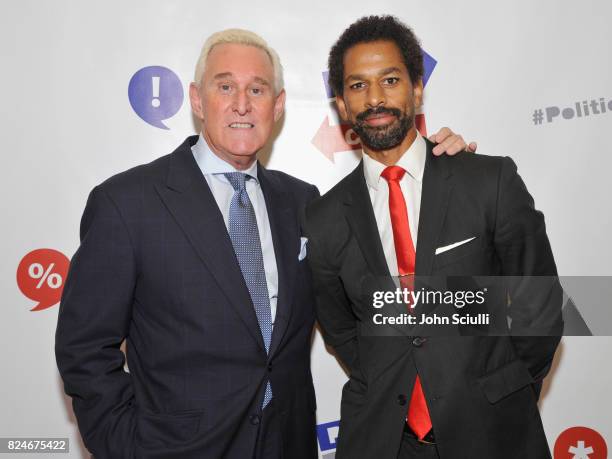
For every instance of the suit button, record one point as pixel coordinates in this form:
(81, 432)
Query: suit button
(269, 367)
(401, 399)
(418, 341)
(254, 419)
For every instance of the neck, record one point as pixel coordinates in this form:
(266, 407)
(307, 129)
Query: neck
(238, 162)
(392, 155)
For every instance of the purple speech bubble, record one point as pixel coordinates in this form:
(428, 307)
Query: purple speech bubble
(156, 94)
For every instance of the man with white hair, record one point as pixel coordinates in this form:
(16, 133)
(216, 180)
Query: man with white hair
(196, 260)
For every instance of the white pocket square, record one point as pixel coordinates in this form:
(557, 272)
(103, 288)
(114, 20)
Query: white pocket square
(446, 248)
(302, 254)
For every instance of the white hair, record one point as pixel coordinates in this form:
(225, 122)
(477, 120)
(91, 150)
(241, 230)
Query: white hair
(241, 37)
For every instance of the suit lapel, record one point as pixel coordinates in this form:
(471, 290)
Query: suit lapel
(190, 201)
(360, 215)
(285, 237)
(437, 185)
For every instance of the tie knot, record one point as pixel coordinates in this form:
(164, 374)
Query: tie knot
(393, 173)
(237, 180)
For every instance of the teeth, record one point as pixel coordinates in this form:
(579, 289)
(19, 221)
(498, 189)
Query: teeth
(241, 125)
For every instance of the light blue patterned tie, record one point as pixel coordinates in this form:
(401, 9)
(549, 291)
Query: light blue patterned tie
(247, 245)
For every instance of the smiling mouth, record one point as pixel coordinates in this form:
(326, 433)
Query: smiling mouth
(241, 125)
(381, 119)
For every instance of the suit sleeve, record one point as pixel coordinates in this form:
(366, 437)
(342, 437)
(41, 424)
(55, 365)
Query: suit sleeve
(333, 309)
(93, 321)
(535, 293)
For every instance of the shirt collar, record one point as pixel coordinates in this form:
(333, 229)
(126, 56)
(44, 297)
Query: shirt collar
(211, 164)
(412, 161)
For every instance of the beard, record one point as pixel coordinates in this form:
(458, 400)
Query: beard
(383, 137)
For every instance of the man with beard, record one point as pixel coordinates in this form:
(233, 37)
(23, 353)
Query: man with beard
(403, 212)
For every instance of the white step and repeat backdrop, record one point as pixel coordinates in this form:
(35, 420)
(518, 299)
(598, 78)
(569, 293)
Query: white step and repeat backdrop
(532, 80)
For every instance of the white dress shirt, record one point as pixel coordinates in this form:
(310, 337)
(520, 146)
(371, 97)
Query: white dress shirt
(413, 162)
(213, 169)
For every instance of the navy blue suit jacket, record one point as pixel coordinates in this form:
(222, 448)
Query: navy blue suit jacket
(156, 268)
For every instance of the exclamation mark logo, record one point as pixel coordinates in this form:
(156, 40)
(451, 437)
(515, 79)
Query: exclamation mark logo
(156, 94)
(155, 83)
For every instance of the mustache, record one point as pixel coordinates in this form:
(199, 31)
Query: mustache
(378, 111)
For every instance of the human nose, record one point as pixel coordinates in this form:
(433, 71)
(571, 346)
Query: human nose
(376, 96)
(242, 103)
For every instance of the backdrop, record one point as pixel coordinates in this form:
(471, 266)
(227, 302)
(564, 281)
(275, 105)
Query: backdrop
(92, 88)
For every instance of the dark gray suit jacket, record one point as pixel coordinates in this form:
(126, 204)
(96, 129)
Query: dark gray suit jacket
(481, 391)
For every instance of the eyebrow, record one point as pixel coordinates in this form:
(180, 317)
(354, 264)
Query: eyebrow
(220, 76)
(223, 75)
(261, 81)
(384, 71)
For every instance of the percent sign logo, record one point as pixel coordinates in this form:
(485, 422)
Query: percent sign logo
(40, 277)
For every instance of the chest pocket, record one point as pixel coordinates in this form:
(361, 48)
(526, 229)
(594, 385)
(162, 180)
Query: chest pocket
(471, 253)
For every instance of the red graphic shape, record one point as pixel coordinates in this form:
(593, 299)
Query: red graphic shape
(419, 122)
(333, 139)
(580, 443)
(41, 275)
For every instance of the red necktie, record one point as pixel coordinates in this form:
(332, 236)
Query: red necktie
(418, 414)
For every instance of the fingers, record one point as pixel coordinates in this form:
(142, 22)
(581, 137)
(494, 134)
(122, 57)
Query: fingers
(441, 135)
(452, 145)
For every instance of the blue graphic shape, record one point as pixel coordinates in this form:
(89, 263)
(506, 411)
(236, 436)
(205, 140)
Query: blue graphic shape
(328, 90)
(429, 63)
(156, 94)
(323, 434)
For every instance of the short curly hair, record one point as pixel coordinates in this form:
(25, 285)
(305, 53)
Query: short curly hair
(369, 29)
